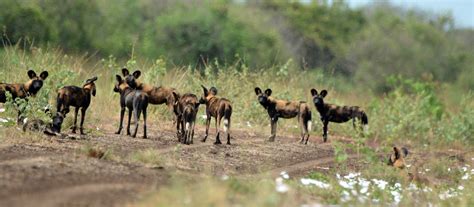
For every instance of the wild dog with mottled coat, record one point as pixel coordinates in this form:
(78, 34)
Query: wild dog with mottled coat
(134, 100)
(285, 109)
(334, 113)
(397, 159)
(79, 97)
(157, 95)
(39, 125)
(23, 90)
(218, 108)
(187, 109)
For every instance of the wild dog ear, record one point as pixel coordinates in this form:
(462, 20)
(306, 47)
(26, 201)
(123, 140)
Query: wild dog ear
(258, 91)
(405, 151)
(44, 75)
(196, 105)
(268, 92)
(396, 152)
(118, 78)
(137, 73)
(213, 90)
(91, 80)
(31, 74)
(125, 72)
(176, 97)
(314, 92)
(323, 93)
(206, 92)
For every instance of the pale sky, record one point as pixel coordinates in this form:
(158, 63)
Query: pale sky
(461, 10)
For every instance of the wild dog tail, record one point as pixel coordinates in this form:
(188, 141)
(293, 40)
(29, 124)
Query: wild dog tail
(227, 115)
(309, 122)
(405, 151)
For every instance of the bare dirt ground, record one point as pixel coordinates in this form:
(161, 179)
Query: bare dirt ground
(57, 171)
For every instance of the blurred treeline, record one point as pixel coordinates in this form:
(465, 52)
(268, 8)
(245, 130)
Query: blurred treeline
(364, 45)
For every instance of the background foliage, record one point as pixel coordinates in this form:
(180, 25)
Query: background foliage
(363, 45)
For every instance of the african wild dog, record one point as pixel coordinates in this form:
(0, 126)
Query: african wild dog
(218, 108)
(187, 108)
(52, 129)
(157, 95)
(23, 90)
(285, 109)
(135, 100)
(77, 97)
(334, 113)
(397, 159)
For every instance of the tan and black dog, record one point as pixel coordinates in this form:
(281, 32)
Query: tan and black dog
(397, 159)
(218, 108)
(79, 97)
(187, 109)
(334, 113)
(23, 90)
(285, 109)
(156, 95)
(134, 100)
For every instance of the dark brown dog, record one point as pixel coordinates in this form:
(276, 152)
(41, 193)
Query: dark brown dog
(218, 108)
(337, 114)
(285, 109)
(77, 97)
(134, 100)
(187, 108)
(397, 159)
(156, 95)
(23, 90)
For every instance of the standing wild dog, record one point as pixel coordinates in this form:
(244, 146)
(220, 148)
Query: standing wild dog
(156, 95)
(187, 108)
(77, 97)
(397, 159)
(135, 100)
(285, 109)
(334, 113)
(23, 90)
(218, 108)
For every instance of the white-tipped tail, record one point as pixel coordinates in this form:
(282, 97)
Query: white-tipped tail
(310, 123)
(188, 125)
(366, 128)
(226, 125)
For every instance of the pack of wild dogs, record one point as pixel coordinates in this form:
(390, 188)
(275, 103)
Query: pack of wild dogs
(135, 97)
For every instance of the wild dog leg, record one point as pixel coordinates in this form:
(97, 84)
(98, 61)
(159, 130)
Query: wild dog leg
(122, 113)
(325, 130)
(83, 116)
(302, 127)
(76, 111)
(218, 124)
(273, 124)
(208, 122)
(136, 118)
(129, 119)
(144, 124)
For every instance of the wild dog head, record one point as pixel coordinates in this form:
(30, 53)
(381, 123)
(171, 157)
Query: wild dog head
(263, 98)
(90, 85)
(397, 159)
(318, 99)
(35, 83)
(131, 79)
(120, 85)
(208, 94)
(58, 119)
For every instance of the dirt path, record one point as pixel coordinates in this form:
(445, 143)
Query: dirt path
(57, 172)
